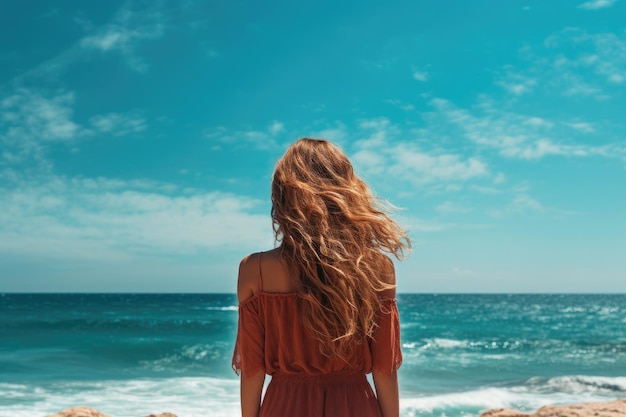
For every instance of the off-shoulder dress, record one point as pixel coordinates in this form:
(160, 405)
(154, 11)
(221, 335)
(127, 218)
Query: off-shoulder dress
(270, 337)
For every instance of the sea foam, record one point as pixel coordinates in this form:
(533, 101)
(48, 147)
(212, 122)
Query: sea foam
(530, 395)
(202, 396)
(188, 397)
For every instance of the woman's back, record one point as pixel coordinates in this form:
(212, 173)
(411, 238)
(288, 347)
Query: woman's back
(272, 339)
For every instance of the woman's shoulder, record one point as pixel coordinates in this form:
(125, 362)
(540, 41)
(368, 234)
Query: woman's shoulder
(248, 278)
(253, 268)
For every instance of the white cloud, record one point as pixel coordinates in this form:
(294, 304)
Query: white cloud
(572, 62)
(597, 4)
(113, 219)
(535, 150)
(32, 120)
(127, 31)
(537, 122)
(575, 86)
(276, 128)
(118, 124)
(29, 115)
(400, 104)
(516, 84)
(259, 139)
(513, 135)
(337, 134)
(420, 76)
(378, 131)
(124, 34)
(582, 127)
(373, 161)
(611, 51)
(109, 39)
(525, 202)
(410, 163)
(381, 152)
(585, 64)
(499, 178)
(521, 203)
(450, 207)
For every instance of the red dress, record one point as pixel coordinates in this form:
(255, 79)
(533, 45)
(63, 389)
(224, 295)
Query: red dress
(305, 383)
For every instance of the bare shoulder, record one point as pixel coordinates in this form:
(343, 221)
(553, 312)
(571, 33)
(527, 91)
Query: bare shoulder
(248, 279)
(273, 254)
(276, 275)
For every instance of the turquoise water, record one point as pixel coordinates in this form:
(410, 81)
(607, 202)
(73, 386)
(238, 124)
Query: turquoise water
(135, 354)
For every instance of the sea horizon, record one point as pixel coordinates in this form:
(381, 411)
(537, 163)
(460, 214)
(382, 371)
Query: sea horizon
(234, 293)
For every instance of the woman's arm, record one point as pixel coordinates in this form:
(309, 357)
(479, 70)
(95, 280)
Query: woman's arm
(251, 388)
(387, 393)
(386, 382)
(251, 385)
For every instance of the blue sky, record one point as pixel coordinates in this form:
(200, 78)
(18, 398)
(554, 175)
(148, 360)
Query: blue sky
(137, 139)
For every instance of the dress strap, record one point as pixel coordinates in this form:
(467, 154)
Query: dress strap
(260, 275)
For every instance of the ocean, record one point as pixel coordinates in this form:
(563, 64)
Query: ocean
(130, 355)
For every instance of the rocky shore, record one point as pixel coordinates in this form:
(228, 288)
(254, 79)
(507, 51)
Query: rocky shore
(606, 409)
(90, 412)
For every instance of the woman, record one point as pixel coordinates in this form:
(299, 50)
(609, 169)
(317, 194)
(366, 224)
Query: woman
(318, 312)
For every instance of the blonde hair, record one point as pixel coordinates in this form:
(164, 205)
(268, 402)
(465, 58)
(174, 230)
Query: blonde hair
(334, 235)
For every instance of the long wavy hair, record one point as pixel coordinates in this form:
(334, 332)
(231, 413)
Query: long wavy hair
(334, 237)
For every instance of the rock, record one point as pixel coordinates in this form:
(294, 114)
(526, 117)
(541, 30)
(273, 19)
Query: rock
(79, 412)
(90, 412)
(503, 412)
(162, 415)
(609, 409)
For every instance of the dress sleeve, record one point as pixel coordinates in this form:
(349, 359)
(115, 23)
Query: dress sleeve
(385, 343)
(249, 354)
